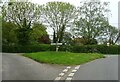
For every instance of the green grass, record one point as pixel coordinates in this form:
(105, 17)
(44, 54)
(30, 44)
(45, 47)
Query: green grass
(63, 58)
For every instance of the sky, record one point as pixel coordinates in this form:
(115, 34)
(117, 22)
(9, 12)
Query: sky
(113, 18)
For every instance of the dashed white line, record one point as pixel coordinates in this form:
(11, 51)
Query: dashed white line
(69, 78)
(58, 78)
(77, 67)
(71, 74)
(74, 70)
(68, 67)
(65, 70)
(61, 74)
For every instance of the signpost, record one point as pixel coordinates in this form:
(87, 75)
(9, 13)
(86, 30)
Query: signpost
(57, 45)
(108, 44)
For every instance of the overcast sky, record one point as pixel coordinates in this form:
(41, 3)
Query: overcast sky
(113, 19)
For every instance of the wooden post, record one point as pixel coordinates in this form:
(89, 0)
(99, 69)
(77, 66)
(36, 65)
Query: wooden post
(56, 46)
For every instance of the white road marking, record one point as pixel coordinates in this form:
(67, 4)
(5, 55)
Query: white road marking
(58, 78)
(69, 78)
(68, 67)
(74, 70)
(77, 67)
(65, 70)
(61, 74)
(71, 74)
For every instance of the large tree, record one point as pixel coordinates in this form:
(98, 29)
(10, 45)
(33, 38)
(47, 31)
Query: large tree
(58, 16)
(8, 33)
(118, 37)
(39, 33)
(92, 21)
(23, 14)
(110, 35)
(113, 34)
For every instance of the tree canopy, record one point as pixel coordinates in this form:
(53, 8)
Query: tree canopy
(23, 14)
(58, 16)
(26, 22)
(92, 21)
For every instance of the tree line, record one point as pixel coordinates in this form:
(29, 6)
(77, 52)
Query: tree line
(25, 23)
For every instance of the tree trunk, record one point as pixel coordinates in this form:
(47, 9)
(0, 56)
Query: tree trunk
(54, 37)
(61, 33)
(57, 47)
(117, 38)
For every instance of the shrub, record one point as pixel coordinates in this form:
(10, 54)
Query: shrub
(112, 49)
(61, 48)
(25, 49)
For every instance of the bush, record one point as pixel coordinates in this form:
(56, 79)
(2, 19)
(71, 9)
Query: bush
(52, 47)
(31, 48)
(83, 49)
(113, 49)
(25, 49)
(61, 48)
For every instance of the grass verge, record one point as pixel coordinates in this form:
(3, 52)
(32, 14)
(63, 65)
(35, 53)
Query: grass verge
(63, 58)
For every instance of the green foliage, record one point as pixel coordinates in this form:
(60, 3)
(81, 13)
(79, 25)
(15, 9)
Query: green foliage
(58, 16)
(104, 49)
(63, 58)
(8, 33)
(23, 28)
(112, 49)
(113, 32)
(25, 49)
(23, 14)
(66, 48)
(84, 41)
(39, 34)
(67, 39)
(92, 22)
(19, 39)
(23, 36)
(44, 39)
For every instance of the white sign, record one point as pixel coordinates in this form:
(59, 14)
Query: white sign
(56, 43)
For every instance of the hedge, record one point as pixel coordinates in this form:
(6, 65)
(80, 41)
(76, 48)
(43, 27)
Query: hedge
(25, 49)
(113, 49)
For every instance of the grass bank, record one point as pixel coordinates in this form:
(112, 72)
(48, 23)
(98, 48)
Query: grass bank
(63, 58)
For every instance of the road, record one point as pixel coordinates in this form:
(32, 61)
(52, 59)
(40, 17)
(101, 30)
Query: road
(16, 67)
(101, 69)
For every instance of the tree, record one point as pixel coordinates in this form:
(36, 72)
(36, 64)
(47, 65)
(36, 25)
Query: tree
(23, 14)
(44, 39)
(118, 37)
(84, 41)
(58, 16)
(8, 33)
(92, 21)
(67, 38)
(39, 33)
(113, 34)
